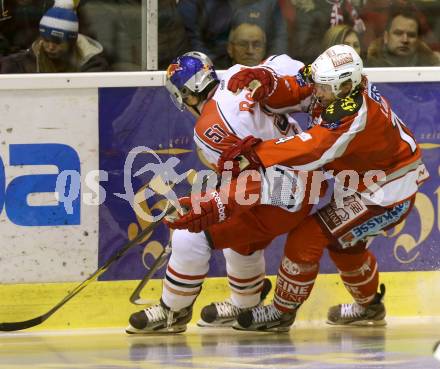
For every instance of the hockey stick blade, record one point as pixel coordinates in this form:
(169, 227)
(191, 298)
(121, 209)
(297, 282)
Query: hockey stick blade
(135, 297)
(17, 326)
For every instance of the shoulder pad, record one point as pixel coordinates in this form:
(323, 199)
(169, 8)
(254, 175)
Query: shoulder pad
(342, 108)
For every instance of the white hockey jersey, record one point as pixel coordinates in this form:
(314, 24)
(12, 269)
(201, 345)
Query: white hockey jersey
(227, 118)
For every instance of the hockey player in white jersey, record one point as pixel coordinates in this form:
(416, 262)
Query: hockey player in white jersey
(223, 118)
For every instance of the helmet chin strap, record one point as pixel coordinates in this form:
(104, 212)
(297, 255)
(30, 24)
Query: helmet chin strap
(196, 109)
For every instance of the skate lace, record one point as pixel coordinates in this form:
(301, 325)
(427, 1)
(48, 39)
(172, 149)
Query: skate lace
(352, 310)
(226, 309)
(155, 313)
(265, 313)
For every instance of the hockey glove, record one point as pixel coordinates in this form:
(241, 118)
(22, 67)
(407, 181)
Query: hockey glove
(216, 206)
(202, 212)
(240, 156)
(261, 81)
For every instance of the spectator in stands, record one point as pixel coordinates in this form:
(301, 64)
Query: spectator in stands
(4, 45)
(375, 14)
(401, 45)
(117, 25)
(172, 37)
(19, 20)
(60, 48)
(102, 20)
(308, 20)
(208, 23)
(342, 34)
(247, 44)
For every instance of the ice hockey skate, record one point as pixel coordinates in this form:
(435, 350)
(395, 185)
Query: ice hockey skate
(355, 314)
(159, 319)
(265, 319)
(224, 313)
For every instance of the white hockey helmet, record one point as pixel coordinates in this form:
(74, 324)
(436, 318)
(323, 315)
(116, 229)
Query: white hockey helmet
(189, 74)
(336, 65)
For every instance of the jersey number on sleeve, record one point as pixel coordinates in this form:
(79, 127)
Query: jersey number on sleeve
(395, 120)
(215, 133)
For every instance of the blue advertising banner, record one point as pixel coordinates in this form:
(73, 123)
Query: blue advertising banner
(147, 119)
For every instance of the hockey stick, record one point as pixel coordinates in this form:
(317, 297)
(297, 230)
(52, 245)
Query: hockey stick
(17, 326)
(160, 187)
(135, 297)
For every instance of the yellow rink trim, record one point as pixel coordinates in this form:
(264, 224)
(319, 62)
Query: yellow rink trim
(106, 304)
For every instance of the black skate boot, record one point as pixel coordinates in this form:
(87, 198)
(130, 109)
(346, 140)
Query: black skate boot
(159, 319)
(265, 319)
(355, 314)
(224, 313)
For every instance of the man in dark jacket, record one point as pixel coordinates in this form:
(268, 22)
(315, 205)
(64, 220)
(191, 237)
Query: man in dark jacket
(208, 23)
(401, 45)
(59, 49)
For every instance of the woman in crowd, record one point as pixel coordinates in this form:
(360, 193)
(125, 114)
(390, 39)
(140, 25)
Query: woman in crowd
(342, 34)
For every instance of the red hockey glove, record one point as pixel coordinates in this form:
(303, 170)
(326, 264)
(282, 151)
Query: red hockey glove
(241, 155)
(261, 81)
(202, 212)
(216, 206)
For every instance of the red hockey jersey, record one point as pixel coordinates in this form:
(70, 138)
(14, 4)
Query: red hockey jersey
(358, 135)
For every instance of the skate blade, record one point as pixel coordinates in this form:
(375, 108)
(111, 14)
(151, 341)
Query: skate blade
(224, 324)
(361, 323)
(170, 330)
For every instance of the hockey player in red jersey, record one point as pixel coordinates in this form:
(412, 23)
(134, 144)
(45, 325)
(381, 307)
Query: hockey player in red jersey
(358, 139)
(223, 119)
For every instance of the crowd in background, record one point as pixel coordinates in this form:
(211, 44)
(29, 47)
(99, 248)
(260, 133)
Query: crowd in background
(107, 33)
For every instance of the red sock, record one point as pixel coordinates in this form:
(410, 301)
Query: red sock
(294, 283)
(359, 273)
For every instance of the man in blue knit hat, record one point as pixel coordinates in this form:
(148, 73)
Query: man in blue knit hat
(60, 48)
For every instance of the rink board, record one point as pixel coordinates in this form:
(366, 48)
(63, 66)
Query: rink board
(106, 304)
